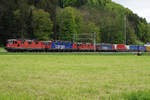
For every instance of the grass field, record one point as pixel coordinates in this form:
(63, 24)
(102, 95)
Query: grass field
(2, 49)
(74, 77)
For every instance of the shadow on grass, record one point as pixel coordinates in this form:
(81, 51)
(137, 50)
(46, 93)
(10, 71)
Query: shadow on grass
(138, 95)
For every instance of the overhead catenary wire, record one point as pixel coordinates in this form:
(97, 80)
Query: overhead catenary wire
(82, 37)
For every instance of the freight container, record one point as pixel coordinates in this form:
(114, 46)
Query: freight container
(148, 48)
(142, 48)
(120, 47)
(128, 47)
(68, 45)
(133, 48)
(84, 46)
(106, 47)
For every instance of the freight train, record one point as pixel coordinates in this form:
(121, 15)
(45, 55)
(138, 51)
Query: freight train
(16, 45)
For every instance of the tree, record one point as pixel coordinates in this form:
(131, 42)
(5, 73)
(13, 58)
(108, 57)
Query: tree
(49, 6)
(69, 22)
(143, 32)
(42, 25)
(7, 23)
(98, 2)
(73, 3)
(90, 29)
(65, 16)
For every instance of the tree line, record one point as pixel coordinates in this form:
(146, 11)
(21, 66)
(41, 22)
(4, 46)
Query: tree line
(65, 19)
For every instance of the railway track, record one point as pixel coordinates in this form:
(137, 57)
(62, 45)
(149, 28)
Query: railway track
(98, 53)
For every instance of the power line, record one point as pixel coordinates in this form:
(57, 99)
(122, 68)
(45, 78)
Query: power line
(125, 31)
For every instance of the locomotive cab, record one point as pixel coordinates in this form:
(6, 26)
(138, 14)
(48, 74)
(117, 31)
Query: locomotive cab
(12, 45)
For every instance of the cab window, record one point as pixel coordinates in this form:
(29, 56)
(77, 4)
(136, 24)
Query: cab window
(14, 42)
(10, 42)
(36, 42)
(30, 42)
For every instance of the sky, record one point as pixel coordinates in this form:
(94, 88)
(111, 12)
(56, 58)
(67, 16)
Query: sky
(140, 7)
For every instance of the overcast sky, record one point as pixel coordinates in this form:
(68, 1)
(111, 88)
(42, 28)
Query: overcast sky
(140, 7)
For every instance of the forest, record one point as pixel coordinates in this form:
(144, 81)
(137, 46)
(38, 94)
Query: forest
(71, 20)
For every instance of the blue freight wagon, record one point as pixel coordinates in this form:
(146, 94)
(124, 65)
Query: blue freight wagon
(133, 48)
(68, 45)
(137, 48)
(106, 47)
(59, 46)
(142, 48)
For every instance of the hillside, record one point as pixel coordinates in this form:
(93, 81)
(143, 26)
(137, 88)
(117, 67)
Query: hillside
(64, 19)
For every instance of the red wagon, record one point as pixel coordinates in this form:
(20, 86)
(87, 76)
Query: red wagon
(120, 47)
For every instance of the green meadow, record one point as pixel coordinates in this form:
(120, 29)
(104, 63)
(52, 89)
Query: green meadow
(74, 77)
(2, 49)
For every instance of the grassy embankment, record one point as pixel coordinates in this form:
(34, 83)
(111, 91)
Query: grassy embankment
(74, 77)
(2, 49)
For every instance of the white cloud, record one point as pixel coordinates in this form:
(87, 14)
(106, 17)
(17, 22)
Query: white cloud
(140, 7)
